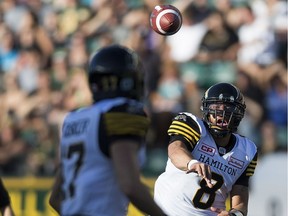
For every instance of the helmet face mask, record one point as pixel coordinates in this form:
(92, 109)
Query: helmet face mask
(223, 108)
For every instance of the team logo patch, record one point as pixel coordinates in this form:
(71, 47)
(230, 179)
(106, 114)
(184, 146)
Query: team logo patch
(207, 149)
(236, 162)
(181, 117)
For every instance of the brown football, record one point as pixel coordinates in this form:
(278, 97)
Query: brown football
(165, 19)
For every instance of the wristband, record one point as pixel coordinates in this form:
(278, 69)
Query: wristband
(235, 212)
(190, 163)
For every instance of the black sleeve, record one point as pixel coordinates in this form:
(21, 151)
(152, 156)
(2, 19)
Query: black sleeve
(244, 178)
(4, 196)
(186, 129)
(127, 121)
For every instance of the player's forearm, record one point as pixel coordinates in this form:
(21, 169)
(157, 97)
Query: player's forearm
(56, 196)
(7, 211)
(179, 155)
(55, 206)
(55, 199)
(142, 199)
(239, 198)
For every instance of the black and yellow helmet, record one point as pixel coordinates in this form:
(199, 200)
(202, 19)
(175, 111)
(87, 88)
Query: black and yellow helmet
(115, 71)
(231, 99)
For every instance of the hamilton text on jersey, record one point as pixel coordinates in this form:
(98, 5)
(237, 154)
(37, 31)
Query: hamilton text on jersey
(218, 165)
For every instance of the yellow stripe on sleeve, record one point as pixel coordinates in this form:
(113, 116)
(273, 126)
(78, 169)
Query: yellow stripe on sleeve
(188, 127)
(180, 128)
(251, 168)
(118, 123)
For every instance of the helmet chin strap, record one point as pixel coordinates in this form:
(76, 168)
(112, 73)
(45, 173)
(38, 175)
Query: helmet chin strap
(218, 133)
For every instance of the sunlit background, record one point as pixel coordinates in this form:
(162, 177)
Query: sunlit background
(44, 49)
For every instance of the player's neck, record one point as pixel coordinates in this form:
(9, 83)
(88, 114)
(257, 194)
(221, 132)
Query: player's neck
(223, 141)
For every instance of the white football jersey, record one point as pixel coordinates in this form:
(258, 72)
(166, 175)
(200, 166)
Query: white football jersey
(90, 186)
(181, 194)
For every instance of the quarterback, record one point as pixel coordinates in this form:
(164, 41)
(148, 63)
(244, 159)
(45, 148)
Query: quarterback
(208, 161)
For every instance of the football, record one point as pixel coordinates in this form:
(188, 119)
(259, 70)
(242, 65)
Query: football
(166, 19)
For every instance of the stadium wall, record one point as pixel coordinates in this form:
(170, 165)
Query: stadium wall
(30, 196)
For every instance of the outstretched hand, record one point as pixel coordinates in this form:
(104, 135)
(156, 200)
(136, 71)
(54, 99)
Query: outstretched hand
(203, 171)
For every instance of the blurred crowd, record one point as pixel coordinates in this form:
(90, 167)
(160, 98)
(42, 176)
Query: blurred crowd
(45, 46)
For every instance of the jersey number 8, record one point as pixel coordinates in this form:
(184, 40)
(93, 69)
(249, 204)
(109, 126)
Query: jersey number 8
(211, 192)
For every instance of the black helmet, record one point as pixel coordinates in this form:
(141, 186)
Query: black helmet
(229, 116)
(115, 71)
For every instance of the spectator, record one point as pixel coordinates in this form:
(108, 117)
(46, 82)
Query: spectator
(77, 53)
(27, 69)
(166, 102)
(11, 97)
(49, 43)
(12, 151)
(8, 51)
(276, 106)
(12, 13)
(33, 36)
(215, 59)
(76, 92)
(184, 45)
(257, 45)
